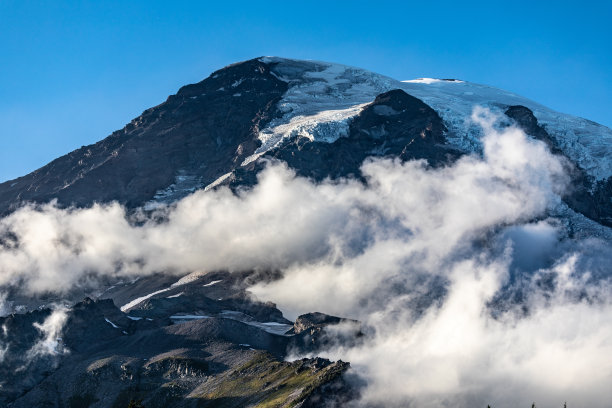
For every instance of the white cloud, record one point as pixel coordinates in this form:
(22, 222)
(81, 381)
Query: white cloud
(374, 252)
(5, 307)
(50, 343)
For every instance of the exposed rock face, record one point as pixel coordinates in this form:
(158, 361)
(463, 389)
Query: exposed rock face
(317, 331)
(316, 320)
(31, 354)
(526, 120)
(395, 125)
(592, 199)
(19, 372)
(602, 201)
(198, 134)
(265, 382)
(218, 357)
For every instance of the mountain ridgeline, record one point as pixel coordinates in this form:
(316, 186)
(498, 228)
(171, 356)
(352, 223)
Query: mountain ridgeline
(208, 129)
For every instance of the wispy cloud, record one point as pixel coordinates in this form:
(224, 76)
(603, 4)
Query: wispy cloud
(422, 256)
(50, 343)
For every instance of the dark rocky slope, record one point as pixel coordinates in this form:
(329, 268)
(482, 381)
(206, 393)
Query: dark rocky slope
(395, 124)
(592, 199)
(199, 133)
(215, 355)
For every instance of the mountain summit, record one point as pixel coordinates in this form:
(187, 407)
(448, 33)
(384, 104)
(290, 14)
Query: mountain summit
(323, 119)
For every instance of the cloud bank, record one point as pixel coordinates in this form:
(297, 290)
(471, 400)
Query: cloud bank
(433, 262)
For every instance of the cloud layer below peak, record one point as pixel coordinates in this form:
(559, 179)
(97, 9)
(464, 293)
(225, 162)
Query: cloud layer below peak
(432, 260)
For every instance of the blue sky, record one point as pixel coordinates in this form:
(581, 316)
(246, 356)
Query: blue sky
(71, 72)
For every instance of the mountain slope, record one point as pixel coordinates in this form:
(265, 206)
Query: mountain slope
(226, 351)
(197, 134)
(321, 118)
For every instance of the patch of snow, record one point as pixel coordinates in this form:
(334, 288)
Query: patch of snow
(423, 80)
(320, 91)
(429, 81)
(586, 143)
(270, 327)
(182, 281)
(237, 94)
(111, 323)
(192, 277)
(134, 318)
(141, 299)
(175, 296)
(212, 283)
(238, 82)
(321, 101)
(276, 328)
(235, 315)
(218, 181)
(185, 317)
(384, 110)
(111, 287)
(270, 59)
(579, 225)
(184, 184)
(325, 126)
(124, 332)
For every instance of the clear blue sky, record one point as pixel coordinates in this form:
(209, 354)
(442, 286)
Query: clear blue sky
(71, 72)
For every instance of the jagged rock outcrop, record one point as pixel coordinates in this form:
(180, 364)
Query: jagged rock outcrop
(101, 357)
(316, 331)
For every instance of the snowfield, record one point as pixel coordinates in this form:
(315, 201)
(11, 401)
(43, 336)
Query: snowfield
(323, 97)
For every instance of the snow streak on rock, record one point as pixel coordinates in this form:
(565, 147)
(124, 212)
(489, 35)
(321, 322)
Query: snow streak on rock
(321, 100)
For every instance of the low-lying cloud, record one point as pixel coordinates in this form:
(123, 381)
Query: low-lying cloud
(50, 342)
(426, 258)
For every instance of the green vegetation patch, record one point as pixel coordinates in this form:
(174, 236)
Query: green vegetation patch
(177, 365)
(264, 382)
